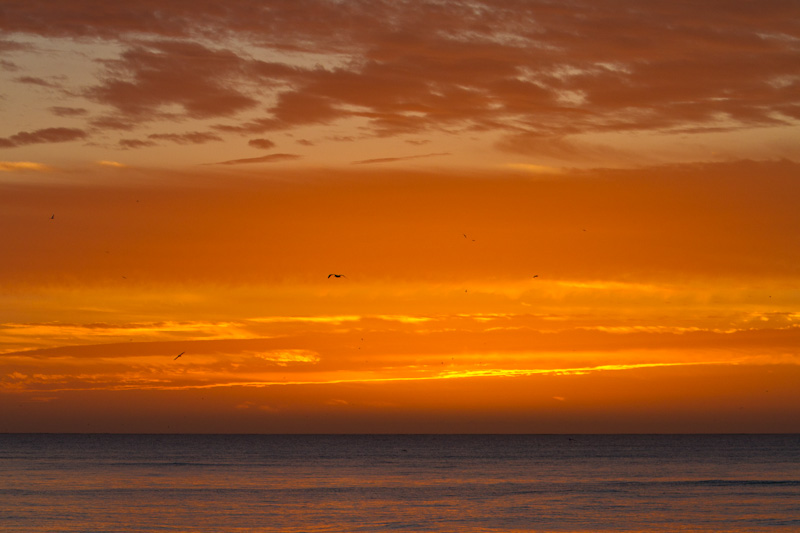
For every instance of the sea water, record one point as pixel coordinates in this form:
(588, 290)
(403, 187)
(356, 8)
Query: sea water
(464, 483)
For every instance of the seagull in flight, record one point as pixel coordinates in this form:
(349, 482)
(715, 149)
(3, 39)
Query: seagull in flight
(336, 276)
(180, 354)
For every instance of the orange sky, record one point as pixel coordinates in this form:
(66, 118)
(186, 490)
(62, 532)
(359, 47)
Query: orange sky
(550, 218)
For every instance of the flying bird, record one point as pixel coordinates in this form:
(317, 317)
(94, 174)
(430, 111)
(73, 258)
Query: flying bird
(52, 216)
(337, 275)
(180, 354)
(536, 275)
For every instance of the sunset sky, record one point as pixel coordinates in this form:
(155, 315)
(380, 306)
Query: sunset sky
(550, 217)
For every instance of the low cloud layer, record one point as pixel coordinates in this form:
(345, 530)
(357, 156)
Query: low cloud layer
(46, 135)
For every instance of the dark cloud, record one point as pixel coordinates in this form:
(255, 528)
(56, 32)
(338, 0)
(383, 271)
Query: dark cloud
(272, 158)
(196, 137)
(300, 108)
(264, 144)
(136, 143)
(68, 111)
(260, 125)
(31, 80)
(46, 135)
(8, 66)
(150, 77)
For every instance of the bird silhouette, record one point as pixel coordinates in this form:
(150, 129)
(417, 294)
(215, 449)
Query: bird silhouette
(337, 275)
(52, 216)
(180, 354)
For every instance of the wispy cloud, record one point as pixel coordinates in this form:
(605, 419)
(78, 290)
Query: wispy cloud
(283, 357)
(292, 367)
(313, 319)
(423, 376)
(535, 169)
(271, 158)
(395, 159)
(34, 334)
(17, 166)
(31, 80)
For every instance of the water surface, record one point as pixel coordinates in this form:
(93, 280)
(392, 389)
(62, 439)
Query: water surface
(205, 483)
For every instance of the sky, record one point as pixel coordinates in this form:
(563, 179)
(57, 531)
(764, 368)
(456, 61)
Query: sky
(545, 217)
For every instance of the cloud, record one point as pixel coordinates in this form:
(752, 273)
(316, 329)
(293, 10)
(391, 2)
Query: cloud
(272, 158)
(535, 169)
(68, 111)
(113, 123)
(264, 144)
(114, 164)
(404, 319)
(394, 159)
(529, 69)
(149, 77)
(196, 137)
(533, 75)
(46, 135)
(85, 338)
(16, 166)
(283, 357)
(558, 147)
(9, 66)
(31, 80)
(12, 46)
(259, 125)
(297, 108)
(136, 143)
(308, 319)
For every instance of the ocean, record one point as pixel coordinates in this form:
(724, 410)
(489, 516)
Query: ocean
(464, 483)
